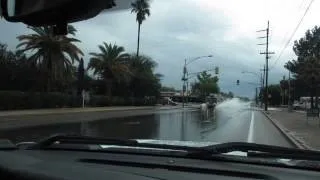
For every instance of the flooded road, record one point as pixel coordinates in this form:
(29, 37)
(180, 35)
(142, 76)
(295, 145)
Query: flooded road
(232, 120)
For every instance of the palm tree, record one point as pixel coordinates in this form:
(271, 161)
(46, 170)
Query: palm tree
(142, 65)
(53, 55)
(110, 64)
(144, 81)
(141, 8)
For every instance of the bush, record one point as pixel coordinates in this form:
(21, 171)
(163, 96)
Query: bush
(14, 100)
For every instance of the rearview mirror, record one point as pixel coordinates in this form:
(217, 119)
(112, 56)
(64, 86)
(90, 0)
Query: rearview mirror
(56, 12)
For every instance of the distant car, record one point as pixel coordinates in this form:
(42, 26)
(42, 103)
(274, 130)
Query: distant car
(301, 105)
(296, 105)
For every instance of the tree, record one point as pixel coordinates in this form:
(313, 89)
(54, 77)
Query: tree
(53, 55)
(15, 71)
(144, 81)
(274, 91)
(142, 9)
(80, 77)
(230, 94)
(110, 64)
(8, 67)
(206, 84)
(307, 65)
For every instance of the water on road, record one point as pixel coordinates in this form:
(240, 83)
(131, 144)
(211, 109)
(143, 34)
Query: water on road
(233, 120)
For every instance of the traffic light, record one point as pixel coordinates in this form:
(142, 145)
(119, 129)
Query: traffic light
(238, 82)
(216, 70)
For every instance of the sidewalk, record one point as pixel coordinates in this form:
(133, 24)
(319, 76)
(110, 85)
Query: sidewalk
(295, 126)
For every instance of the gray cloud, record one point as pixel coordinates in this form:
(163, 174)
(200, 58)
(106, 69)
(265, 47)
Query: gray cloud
(175, 30)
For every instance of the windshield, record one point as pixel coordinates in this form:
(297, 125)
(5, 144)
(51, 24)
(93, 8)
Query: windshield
(182, 70)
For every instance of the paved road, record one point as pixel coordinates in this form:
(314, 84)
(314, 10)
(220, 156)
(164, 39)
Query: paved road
(232, 121)
(238, 122)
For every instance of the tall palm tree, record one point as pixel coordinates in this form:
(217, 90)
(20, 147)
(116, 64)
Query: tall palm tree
(53, 55)
(142, 9)
(110, 64)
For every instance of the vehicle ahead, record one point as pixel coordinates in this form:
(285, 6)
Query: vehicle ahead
(80, 157)
(211, 101)
(298, 105)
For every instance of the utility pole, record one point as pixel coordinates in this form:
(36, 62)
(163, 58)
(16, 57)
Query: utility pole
(267, 65)
(256, 96)
(263, 75)
(262, 83)
(289, 95)
(184, 79)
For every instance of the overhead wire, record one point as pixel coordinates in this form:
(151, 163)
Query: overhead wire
(291, 36)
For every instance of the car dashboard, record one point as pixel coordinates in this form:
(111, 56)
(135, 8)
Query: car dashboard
(71, 165)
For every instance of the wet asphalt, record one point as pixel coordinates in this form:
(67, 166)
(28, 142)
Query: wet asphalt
(231, 121)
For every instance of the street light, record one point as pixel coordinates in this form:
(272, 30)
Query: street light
(195, 59)
(249, 72)
(185, 72)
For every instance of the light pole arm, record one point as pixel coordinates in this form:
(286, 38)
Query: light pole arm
(196, 58)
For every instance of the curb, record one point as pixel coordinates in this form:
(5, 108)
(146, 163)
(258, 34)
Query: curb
(290, 137)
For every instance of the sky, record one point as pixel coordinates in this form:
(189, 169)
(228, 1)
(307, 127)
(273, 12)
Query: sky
(185, 29)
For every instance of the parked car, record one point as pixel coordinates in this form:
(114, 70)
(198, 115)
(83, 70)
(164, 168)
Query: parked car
(297, 105)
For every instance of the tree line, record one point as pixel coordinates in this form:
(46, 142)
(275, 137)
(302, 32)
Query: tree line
(48, 64)
(304, 69)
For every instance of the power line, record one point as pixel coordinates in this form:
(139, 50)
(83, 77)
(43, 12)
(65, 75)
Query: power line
(293, 33)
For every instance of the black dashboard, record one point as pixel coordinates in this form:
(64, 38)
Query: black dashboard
(71, 165)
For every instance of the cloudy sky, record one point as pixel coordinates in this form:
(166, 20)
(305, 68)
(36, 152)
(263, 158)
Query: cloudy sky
(184, 29)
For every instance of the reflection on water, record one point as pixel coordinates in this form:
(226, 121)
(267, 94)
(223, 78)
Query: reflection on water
(170, 125)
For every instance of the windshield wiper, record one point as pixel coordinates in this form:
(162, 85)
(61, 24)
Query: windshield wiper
(252, 149)
(75, 139)
(66, 141)
(260, 150)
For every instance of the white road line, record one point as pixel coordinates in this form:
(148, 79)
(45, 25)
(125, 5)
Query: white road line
(250, 134)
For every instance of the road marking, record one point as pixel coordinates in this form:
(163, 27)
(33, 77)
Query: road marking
(250, 135)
